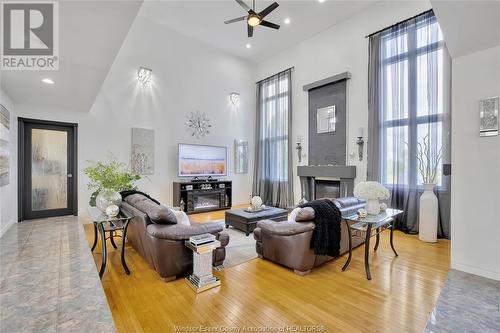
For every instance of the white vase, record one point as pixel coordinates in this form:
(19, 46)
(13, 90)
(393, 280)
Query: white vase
(372, 207)
(428, 215)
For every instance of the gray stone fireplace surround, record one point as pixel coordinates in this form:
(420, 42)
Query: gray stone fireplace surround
(328, 148)
(327, 174)
(326, 180)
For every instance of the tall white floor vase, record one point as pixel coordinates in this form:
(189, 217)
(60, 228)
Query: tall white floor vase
(428, 215)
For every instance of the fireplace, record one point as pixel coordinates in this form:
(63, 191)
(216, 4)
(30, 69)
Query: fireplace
(203, 200)
(326, 181)
(206, 200)
(326, 188)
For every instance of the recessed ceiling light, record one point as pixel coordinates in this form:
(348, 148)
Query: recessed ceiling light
(321, 1)
(287, 21)
(248, 46)
(48, 81)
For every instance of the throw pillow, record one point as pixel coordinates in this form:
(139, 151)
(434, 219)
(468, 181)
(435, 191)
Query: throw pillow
(181, 217)
(156, 213)
(305, 214)
(293, 215)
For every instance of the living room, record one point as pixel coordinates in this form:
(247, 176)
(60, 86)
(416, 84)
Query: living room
(292, 103)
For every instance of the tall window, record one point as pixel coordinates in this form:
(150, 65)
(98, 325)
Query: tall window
(409, 104)
(272, 175)
(412, 70)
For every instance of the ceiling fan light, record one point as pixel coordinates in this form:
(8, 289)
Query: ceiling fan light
(253, 20)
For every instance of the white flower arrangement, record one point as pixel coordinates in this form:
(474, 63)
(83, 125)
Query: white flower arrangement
(371, 191)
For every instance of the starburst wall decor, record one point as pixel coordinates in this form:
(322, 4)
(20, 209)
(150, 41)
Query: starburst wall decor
(198, 124)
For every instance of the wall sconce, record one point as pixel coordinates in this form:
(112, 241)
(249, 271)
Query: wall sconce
(234, 97)
(299, 148)
(144, 75)
(360, 142)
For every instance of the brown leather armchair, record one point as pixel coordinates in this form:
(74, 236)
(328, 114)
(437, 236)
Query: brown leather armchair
(288, 243)
(162, 246)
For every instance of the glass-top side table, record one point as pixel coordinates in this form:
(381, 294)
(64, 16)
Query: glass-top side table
(110, 225)
(367, 225)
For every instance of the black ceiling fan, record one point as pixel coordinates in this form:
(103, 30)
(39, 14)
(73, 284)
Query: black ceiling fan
(253, 18)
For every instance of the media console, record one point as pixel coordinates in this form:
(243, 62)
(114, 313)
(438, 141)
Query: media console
(202, 196)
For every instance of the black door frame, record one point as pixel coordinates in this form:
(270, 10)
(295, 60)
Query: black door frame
(22, 123)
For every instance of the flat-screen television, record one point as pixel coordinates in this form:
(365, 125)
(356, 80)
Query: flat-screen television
(202, 160)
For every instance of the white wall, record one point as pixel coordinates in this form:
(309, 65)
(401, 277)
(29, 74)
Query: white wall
(8, 193)
(187, 76)
(475, 196)
(341, 48)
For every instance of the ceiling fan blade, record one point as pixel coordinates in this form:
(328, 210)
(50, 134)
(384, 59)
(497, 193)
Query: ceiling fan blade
(250, 30)
(244, 5)
(268, 9)
(269, 24)
(236, 20)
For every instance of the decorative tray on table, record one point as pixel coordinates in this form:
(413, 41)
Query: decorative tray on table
(256, 210)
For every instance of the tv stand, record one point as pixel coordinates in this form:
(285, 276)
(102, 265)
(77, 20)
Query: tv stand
(201, 180)
(202, 195)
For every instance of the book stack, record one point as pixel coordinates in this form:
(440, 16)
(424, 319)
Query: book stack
(201, 239)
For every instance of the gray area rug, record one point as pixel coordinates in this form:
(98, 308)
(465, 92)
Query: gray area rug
(240, 248)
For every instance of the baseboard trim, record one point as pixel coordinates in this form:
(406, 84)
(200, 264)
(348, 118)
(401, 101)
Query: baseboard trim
(6, 227)
(476, 271)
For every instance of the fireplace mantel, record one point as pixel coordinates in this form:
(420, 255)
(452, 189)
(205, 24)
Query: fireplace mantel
(333, 171)
(308, 174)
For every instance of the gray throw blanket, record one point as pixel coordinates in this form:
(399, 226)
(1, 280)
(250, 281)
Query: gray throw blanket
(326, 236)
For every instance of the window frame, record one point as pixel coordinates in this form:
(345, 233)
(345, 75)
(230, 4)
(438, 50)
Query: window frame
(276, 140)
(411, 121)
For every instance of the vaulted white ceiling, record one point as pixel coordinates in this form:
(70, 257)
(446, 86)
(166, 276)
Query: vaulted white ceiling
(90, 36)
(92, 32)
(468, 26)
(204, 20)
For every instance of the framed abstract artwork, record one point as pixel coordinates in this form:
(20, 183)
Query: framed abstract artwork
(4, 146)
(143, 151)
(240, 156)
(488, 114)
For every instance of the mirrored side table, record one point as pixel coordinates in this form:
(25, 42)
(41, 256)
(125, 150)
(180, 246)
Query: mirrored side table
(202, 278)
(107, 228)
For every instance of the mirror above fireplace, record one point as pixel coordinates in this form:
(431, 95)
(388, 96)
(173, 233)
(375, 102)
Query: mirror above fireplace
(326, 119)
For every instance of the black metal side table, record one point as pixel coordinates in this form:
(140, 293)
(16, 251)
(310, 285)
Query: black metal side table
(377, 223)
(110, 225)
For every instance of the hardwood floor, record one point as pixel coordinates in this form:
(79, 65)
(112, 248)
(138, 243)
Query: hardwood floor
(258, 293)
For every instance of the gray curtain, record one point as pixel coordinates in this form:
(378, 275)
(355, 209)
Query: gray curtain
(273, 177)
(409, 85)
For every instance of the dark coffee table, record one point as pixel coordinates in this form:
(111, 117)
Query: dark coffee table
(245, 221)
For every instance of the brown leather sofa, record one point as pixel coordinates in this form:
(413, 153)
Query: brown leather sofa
(288, 243)
(162, 245)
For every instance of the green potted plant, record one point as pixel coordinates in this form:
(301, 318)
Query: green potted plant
(107, 179)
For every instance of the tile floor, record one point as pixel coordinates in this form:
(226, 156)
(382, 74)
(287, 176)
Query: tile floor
(48, 280)
(467, 303)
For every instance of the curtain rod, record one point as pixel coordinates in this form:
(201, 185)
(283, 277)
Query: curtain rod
(395, 24)
(288, 69)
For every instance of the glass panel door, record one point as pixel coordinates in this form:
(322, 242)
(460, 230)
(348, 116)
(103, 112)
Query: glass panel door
(48, 183)
(49, 169)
